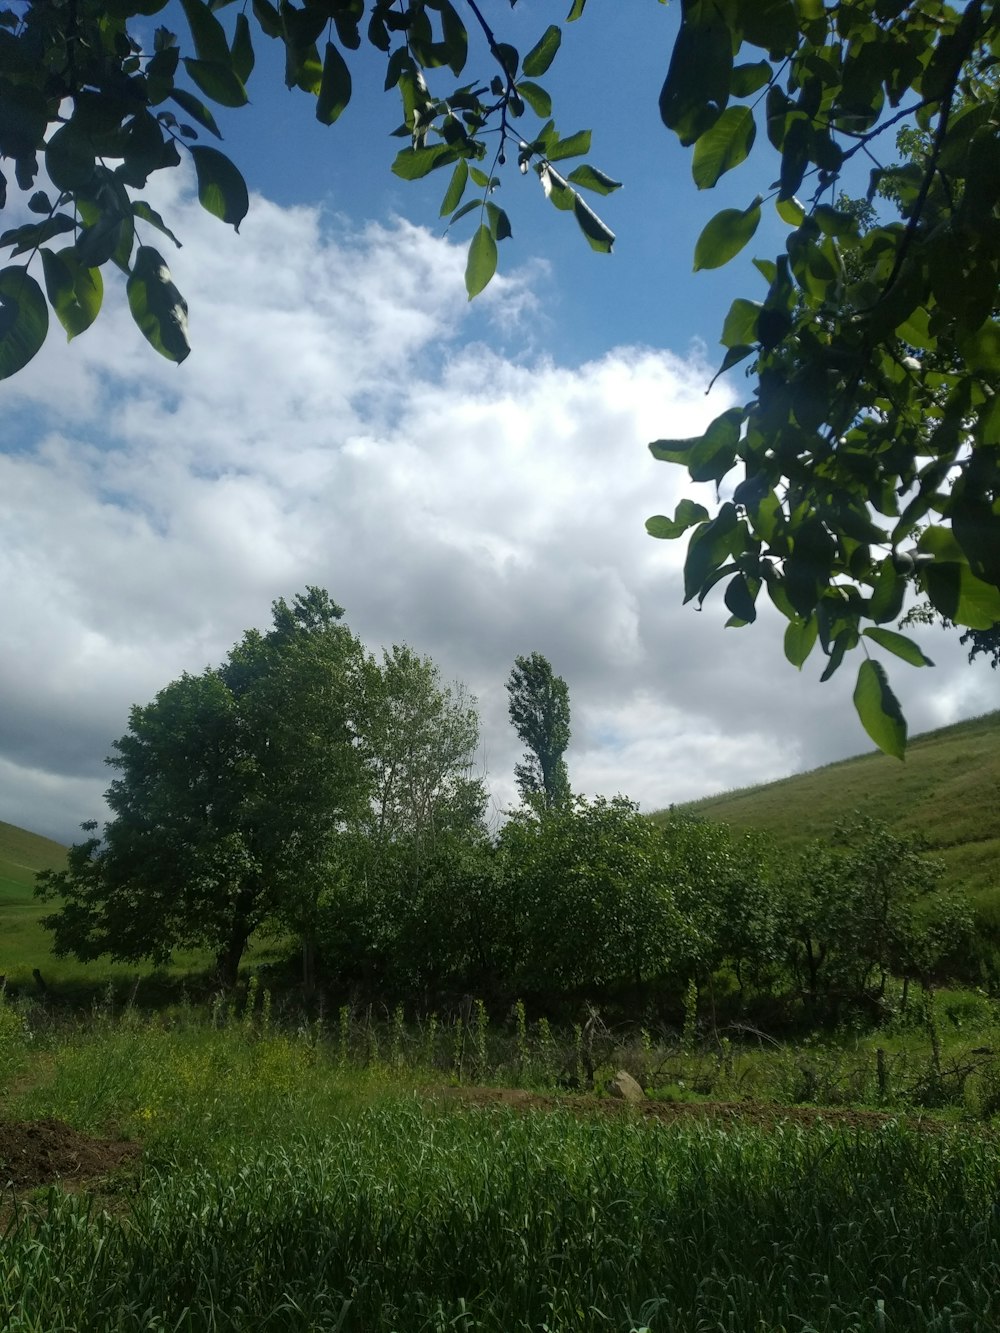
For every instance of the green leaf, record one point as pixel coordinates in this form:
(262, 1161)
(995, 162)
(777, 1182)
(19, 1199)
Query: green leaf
(575, 11)
(696, 88)
(749, 79)
(157, 306)
(456, 188)
(221, 188)
(411, 164)
(879, 710)
(541, 55)
(589, 178)
(724, 146)
(536, 97)
(482, 261)
(686, 515)
(335, 88)
(196, 109)
(499, 221)
(209, 37)
(243, 57)
(710, 545)
(772, 24)
(740, 598)
(599, 236)
(800, 638)
(217, 82)
(574, 146)
(456, 39)
(34, 234)
(725, 235)
(887, 593)
(956, 592)
(75, 292)
(790, 211)
(24, 319)
(981, 349)
(466, 208)
(141, 209)
(740, 328)
(898, 644)
(69, 158)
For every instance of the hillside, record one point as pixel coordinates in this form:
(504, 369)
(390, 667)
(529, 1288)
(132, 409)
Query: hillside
(22, 855)
(947, 791)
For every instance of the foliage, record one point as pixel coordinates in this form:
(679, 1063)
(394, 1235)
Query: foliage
(232, 790)
(79, 90)
(866, 461)
(866, 907)
(590, 894)
(421, 929)
(985, 641)
(419, 739)
(730, 898)
(539, 712)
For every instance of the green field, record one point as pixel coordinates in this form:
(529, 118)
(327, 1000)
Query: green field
(947, 792)
(282, 1187)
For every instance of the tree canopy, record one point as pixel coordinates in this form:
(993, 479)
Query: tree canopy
(231, 793)
(864, 464)
(538, 702)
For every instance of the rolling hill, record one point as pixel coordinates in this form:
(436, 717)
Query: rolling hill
(947, 792)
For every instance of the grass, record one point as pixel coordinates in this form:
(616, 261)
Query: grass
(22, 855)
(284, 1188)
(947, 792)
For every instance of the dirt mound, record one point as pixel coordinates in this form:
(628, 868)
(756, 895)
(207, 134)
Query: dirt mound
(734, 1113)
(46, 1152)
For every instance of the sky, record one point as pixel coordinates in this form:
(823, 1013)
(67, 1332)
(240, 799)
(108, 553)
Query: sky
(470, 479)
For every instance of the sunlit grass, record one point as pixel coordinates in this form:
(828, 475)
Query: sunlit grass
(283, 1188)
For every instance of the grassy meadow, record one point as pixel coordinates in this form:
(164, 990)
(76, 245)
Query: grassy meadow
(287, 1184)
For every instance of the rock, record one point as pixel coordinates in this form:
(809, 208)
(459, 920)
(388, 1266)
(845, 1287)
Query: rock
(625, 1088)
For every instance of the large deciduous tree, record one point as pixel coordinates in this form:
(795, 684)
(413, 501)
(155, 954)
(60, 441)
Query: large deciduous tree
(419, 738)
(232, 791)
(864, 463)
(539, 710)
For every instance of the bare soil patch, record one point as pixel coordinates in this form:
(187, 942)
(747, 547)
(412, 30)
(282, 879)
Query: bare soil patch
(735, 1113)
(48, 1152)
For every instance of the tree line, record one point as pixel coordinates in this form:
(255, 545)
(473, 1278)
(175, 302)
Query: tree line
(309, 790)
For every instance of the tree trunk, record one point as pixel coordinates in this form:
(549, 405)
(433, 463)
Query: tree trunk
(308, 964)
(227, 960)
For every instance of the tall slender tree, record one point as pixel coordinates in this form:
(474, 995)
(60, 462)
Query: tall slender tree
(539, 711)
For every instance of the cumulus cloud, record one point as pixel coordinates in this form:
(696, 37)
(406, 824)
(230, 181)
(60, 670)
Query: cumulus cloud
(347, 419)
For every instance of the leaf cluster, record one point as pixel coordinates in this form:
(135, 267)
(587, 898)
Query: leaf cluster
(94, 110)
(865, 466)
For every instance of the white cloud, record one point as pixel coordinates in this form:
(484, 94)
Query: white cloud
(347, 419)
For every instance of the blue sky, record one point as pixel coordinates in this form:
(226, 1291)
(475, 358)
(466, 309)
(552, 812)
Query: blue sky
(471, 480)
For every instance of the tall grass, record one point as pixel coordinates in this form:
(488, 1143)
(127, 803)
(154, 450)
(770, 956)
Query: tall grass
(402, 1218)
(282, 1189)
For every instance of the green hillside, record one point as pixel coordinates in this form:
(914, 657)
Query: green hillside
(22, 855)
(947, 791)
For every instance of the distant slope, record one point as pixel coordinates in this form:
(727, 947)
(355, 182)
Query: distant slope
(22, 855)
(947, 791)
